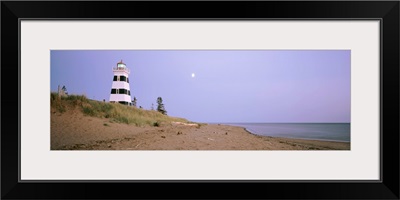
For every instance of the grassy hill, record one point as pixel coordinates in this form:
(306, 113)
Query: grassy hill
(114, 111)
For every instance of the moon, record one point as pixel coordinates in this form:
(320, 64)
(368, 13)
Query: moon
(193, 75)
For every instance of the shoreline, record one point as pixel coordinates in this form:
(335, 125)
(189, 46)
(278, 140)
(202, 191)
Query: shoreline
(295, 138)
(76, 131)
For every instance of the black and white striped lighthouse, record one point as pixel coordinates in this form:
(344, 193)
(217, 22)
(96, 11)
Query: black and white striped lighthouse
(120, 90)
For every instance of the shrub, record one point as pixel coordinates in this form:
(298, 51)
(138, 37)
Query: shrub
(156, 124)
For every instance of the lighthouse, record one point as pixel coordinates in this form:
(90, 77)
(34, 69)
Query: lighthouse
(120, 90)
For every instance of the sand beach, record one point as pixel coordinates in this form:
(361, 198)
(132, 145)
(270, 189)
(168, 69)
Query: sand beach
(72, 130)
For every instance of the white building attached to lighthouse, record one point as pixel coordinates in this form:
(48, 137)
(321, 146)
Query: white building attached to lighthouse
(120, 90)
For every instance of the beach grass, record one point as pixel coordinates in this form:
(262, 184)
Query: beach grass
(113, 111)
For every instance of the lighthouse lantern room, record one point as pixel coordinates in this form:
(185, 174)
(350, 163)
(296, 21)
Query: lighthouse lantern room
(120, 90)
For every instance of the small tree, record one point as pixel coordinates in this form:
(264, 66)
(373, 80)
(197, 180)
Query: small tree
(134, 101)
(160, 106)
(152, 106)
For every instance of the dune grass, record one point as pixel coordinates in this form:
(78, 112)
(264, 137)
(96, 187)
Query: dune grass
(114, 111)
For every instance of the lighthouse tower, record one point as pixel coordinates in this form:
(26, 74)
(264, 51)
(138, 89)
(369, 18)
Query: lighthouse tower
(120, 90)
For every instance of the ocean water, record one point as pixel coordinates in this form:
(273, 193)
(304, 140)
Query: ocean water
(314, 131)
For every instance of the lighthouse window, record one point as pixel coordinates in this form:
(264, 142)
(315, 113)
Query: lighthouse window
(115, 78)
(129, 92)
(113, 91)
(122, 78)
(127, 80)
(123, 91)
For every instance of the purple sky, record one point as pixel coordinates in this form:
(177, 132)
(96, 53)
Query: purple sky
(229, 85)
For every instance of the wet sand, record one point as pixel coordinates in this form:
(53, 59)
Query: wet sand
(73, 130)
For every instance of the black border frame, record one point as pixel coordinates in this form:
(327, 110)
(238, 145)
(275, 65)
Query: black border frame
(386, 11)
